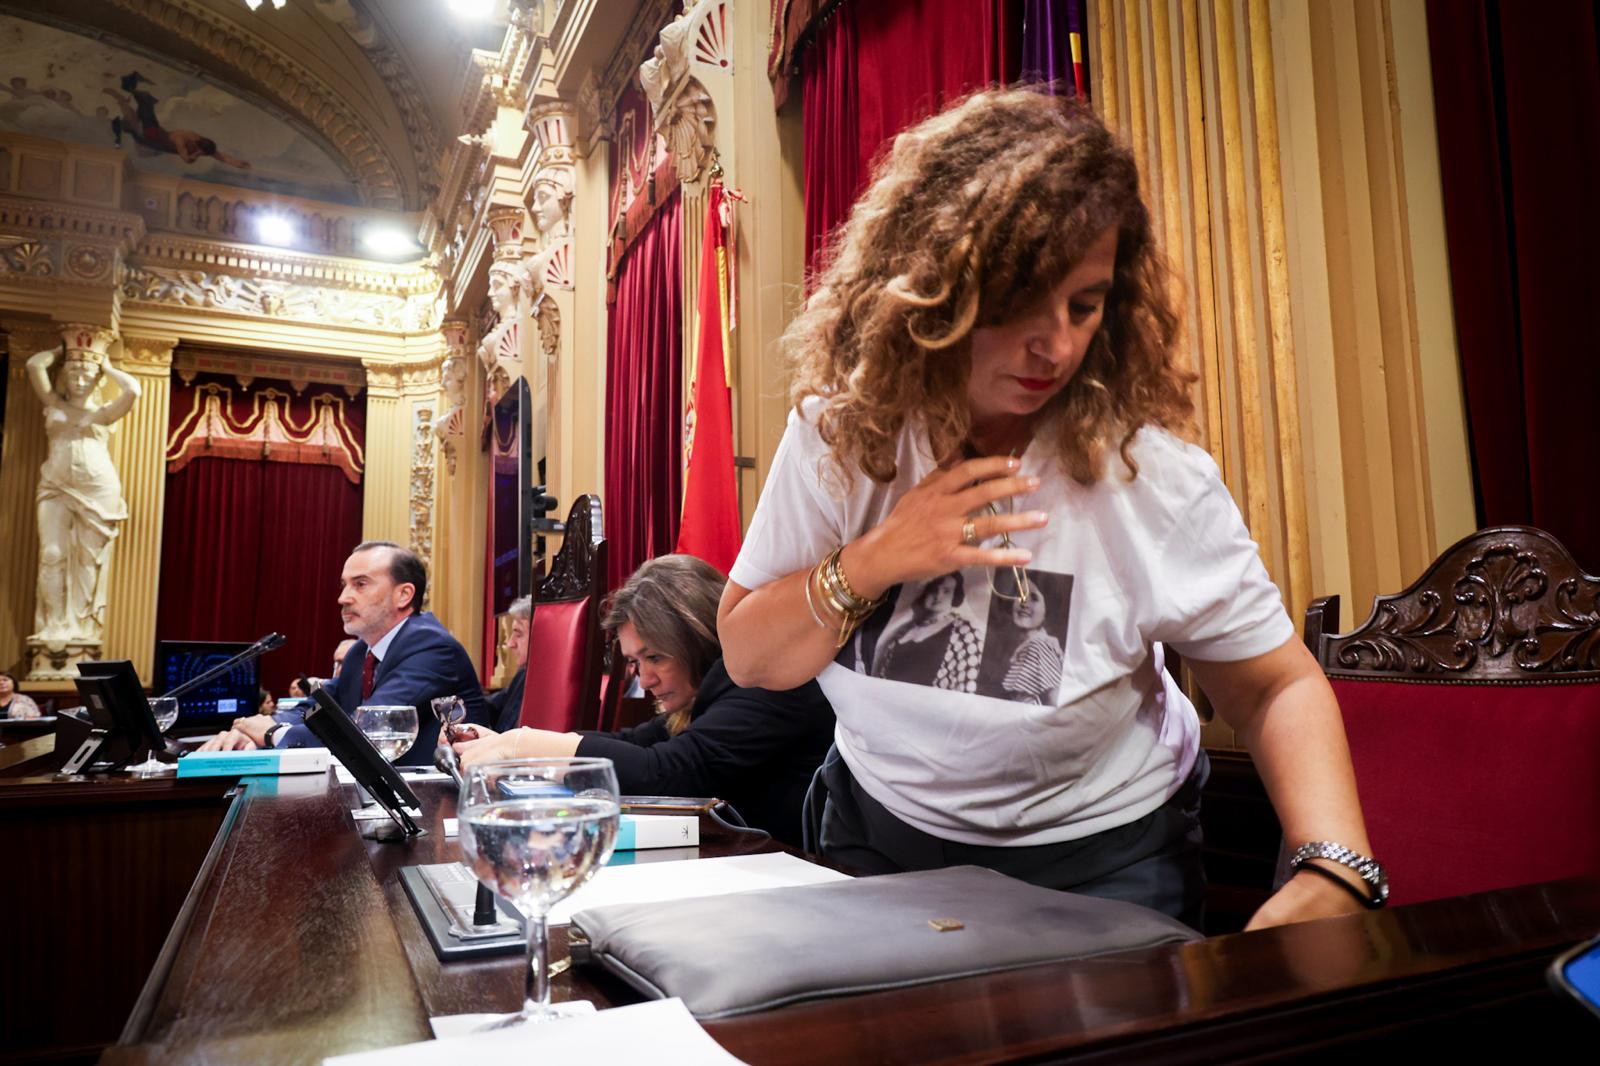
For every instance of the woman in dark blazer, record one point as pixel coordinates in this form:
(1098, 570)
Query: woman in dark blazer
(753, 748)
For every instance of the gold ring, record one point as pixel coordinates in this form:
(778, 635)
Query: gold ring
(969, 533)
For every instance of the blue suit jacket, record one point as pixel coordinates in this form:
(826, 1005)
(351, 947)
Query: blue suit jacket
(423, 662)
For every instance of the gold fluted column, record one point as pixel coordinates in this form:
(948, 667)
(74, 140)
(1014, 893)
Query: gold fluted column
(386, 484)
(138, 449)
(23, 453)
(460, 509)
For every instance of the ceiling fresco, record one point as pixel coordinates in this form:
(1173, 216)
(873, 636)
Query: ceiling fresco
(65, 86)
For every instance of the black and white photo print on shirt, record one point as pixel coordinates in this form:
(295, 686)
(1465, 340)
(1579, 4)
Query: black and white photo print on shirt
(970, 631)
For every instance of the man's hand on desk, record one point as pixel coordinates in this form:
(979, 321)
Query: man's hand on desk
(247, 733)
(232, 740)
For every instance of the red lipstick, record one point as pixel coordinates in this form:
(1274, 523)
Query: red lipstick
(1036, 384)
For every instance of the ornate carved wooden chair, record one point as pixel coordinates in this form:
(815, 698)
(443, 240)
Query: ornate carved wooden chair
(1472, 704)
(562, 691)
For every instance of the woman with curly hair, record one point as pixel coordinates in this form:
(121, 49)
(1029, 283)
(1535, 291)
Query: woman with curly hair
(986, 382)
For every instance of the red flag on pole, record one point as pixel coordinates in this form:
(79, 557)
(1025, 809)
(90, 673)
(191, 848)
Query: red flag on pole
(710, 525)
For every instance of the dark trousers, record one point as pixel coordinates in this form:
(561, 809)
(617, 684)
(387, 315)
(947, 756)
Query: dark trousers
(1153, 861)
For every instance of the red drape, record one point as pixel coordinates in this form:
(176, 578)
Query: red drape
(249, 547)
(644, 397)
(875, 68)
(1517, 107)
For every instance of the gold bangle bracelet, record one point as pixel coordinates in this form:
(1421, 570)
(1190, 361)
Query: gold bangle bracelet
(836, 567)
(816, 616)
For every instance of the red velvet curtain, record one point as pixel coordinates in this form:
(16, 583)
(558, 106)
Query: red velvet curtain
(644, 397)
(249, 547)
(872, 69)
(1517, 107)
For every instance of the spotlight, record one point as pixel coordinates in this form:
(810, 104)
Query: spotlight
(275, 229)
(389, 242)
(474, 10)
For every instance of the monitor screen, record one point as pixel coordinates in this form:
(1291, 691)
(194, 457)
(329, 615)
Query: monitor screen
(219, 701)
(513, 559)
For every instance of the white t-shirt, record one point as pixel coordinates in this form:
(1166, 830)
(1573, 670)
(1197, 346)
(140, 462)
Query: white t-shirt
(975, 728)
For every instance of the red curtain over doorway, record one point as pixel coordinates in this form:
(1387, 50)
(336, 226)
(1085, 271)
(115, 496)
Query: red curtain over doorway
(644, 396)
(250, 546)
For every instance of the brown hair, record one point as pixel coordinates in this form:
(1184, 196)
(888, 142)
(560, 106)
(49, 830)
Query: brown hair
(972, 219)
(672, 602)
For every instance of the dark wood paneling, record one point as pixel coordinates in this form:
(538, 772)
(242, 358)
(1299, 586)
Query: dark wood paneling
(1241, 841)
(97, 872)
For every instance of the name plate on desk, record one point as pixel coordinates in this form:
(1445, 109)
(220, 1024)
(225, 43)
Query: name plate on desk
(253, 763)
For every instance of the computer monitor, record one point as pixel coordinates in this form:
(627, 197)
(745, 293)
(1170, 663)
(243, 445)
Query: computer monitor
(116, 704)
(218, 702)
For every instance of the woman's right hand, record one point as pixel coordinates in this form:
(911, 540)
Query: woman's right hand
(922, 536)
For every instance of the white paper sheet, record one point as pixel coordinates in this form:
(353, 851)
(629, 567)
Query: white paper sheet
(661, 1032)
(658, 881)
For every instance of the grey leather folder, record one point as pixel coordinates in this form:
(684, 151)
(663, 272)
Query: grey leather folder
(751, 951)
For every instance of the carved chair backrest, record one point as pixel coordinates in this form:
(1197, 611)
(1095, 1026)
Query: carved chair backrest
(1507, 604)
(562, 691)
(1471, 703)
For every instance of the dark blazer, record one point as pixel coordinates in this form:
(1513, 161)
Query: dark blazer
(753, 748)
(424, 661)
(505, 705)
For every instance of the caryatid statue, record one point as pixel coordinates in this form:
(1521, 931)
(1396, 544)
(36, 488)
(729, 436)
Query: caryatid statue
(681, 108)
(80, 504)
(510, 294)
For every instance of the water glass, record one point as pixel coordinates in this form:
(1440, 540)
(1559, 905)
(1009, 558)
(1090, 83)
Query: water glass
(534, 830)
(164, 709)
(392, 730)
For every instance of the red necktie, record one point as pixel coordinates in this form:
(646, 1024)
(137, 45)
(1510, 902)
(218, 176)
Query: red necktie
(368, 668)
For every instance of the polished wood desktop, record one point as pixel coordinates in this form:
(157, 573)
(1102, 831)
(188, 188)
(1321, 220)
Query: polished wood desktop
(296, 941)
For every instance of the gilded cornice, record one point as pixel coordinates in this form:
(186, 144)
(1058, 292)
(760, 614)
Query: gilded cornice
(266, 297)
(48, 219)
(392, 380)
(295, 86)
(148, 356)
(250, 261)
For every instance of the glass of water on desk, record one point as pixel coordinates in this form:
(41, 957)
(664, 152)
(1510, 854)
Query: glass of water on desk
(392, 730)
(534, 830)
(164, 709)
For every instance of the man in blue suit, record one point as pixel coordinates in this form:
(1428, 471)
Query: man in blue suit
(401, 655)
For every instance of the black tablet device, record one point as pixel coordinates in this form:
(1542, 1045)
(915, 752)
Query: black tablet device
(372, 771)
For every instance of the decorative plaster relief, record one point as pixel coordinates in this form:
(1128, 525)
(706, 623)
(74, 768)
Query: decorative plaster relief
(421, 489)
(278, 299)
(683, 112)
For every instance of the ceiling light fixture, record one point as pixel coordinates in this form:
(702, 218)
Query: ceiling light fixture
(389, 242)
(275, 229)
(471, 9)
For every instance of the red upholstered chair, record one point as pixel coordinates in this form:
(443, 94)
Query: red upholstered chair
(562, 691)
(1472, 704)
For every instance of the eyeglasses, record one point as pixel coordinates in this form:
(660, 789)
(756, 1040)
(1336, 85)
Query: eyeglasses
(1008, 582)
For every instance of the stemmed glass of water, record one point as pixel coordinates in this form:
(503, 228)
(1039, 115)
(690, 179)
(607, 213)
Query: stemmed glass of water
(534, 830)
(392, 730)
(164, 709)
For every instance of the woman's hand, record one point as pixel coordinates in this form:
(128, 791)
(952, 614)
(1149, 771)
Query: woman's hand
(523, 743)
(1304, 897)
(923, 536)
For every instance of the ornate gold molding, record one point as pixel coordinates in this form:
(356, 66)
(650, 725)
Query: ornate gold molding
(415, 117)
(147, 356)
(361, 275)
(270, 298)
(118, 229)
(298, 372)
(421, 493)
(681, 108)
(295, 86)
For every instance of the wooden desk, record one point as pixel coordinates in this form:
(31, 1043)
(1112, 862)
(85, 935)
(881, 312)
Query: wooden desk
(96, 873)
(300, 943)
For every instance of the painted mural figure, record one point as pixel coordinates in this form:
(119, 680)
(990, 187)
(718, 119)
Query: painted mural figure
(80, 504)
(139, 121)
